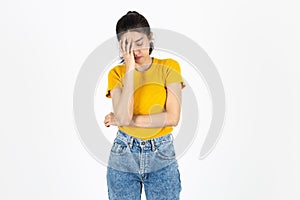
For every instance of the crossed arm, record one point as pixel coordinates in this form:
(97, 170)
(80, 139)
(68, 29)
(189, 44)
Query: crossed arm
(123, 110)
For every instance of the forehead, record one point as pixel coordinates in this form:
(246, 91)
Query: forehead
(134, 35)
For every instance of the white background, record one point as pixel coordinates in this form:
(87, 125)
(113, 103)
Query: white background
(254, 45)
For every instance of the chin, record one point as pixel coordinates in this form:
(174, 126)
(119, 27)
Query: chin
(140, 61)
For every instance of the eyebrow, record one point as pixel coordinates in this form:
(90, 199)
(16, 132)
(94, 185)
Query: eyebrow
(139, 39)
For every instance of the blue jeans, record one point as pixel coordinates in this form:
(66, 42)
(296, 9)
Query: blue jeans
(134, 162)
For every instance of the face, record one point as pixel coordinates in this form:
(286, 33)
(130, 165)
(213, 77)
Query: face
(140, 45)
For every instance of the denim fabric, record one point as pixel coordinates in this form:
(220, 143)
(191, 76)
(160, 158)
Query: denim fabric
(134, 162)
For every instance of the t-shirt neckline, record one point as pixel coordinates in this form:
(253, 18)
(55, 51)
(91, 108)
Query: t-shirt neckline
(151, 66)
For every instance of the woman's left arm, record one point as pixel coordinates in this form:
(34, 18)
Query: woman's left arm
(170, 117)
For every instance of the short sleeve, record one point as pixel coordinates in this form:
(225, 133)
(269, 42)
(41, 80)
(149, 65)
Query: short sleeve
(114, 81)
(173, 73)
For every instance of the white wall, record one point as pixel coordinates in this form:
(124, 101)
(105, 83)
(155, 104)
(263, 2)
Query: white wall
(254, 45)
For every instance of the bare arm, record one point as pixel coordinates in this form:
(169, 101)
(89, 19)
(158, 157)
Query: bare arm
(170, 117)
(122, 98)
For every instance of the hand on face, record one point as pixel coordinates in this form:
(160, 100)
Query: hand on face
(126, 46)
(135, 49)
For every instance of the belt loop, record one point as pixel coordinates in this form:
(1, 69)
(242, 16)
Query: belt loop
(152, 145)
(131, 142)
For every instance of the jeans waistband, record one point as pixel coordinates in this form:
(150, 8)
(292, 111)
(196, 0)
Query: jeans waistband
(130, 140)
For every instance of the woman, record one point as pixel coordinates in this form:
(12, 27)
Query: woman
(146, 98)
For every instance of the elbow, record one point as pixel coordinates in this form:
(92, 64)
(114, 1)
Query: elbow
(174, 121)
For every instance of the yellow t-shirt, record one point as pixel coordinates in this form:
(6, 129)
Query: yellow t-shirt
(149, 92)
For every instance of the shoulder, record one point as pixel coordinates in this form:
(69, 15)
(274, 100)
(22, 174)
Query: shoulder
(167, 61)
(118, 70)
(169, 64)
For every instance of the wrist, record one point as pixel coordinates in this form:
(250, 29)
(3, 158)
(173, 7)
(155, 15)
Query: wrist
(129, 68)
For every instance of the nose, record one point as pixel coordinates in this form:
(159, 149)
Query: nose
(135, 51)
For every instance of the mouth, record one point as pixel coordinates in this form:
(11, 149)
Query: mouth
(137, 57)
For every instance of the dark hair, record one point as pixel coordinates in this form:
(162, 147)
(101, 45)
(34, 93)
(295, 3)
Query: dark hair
(133, 20)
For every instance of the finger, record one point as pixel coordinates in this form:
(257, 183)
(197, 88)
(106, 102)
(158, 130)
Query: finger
(123, 45)
(120, 45)
(107, 124)
(107, 119)
(131, 45)
(128, 45)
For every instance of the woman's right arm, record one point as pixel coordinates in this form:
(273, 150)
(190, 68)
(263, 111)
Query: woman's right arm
(122, 98)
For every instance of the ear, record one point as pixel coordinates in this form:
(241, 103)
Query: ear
(150, 37)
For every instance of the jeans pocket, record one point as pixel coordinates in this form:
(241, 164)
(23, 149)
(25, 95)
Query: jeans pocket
(119, 147)
(166, 150)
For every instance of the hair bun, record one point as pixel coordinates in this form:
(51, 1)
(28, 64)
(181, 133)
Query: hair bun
(132, 13)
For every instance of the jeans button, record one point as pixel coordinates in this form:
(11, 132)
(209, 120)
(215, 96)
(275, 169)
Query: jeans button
(143, 143)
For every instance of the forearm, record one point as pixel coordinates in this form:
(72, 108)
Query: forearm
(124, 111)
(157, 120)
